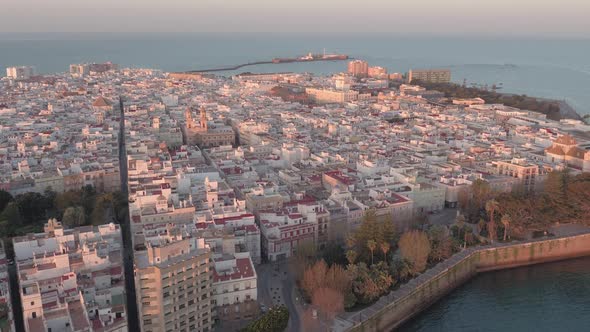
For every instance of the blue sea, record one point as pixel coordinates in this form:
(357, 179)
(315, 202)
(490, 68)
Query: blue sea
(558, 69)
(547, 297)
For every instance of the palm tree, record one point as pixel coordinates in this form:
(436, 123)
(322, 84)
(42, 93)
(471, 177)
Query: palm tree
(481, 224)
(351, 256)
(460, 222)
(350, 242)
(506, 222)
(372, 245)
(491, 207)
(385, 249)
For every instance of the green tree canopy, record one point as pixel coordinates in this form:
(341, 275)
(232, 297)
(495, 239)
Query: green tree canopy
(275, 320)
(5, 198)
(33, 207)
(370, 234)
(10, 219)
(441, 243)
(74, 217)
(415, 248)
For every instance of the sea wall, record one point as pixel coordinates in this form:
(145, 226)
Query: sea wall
(396, 308)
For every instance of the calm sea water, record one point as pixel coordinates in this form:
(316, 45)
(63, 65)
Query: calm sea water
(548, 297)
(546, 68)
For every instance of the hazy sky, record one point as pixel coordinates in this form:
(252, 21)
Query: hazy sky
(563, 18)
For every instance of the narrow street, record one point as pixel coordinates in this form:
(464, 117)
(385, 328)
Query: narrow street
(132, 314)
(295, 311)
(17, 308)
(276, 287)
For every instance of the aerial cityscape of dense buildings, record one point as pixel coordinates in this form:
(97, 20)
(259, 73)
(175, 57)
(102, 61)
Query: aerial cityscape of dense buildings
(72, 279)
(224, 177)
(20, 72)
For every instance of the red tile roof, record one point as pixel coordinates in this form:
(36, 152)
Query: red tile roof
(243, 269)
(101, 102)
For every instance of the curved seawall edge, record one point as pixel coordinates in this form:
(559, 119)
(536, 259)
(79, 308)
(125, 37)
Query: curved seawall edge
(416, 296)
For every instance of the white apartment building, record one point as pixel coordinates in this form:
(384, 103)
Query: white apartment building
(301, 221)
(235, 290)
(72, 280)
(332, 96)
(173, 282)
(20, 72)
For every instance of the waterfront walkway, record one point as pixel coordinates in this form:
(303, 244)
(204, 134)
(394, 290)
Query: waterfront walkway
(348, 320)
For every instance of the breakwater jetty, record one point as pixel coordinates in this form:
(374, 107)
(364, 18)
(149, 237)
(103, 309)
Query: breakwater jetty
(392, 310)
(229, 68)
(308, 58)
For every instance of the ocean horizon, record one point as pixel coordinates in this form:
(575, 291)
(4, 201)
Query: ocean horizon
(547, 68)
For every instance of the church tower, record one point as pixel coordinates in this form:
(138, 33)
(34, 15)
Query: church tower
(203, 118)
(188, 118)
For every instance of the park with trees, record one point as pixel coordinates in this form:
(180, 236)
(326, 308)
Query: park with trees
(452, 90)
(377, 258)
(501, 216)
(27, 212)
